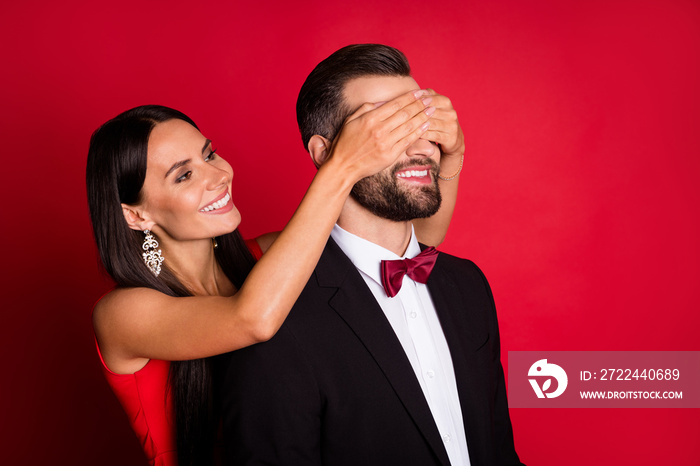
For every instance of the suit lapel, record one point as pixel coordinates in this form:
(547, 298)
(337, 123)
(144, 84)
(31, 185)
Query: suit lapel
(463, 339)
(356, 305)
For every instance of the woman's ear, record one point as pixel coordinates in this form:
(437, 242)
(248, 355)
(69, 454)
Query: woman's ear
(319, 149)
(136, 219)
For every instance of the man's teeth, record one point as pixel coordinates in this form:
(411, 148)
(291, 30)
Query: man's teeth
(412, 173)
(218, 204)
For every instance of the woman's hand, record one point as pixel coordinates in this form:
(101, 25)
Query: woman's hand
(446, 132)
(373, 137)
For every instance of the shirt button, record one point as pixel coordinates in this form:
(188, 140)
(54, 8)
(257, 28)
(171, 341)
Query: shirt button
(430, 374)
(446, 438)
(413, 314)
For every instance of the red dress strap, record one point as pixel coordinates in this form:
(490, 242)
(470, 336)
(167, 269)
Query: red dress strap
(254, 248)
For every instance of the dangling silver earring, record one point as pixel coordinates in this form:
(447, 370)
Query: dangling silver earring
(152, 257)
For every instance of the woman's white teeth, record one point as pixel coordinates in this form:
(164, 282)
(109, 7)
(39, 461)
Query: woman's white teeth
(218, 204)
(411, 173)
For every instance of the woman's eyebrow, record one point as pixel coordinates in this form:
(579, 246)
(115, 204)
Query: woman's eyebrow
(177, 165)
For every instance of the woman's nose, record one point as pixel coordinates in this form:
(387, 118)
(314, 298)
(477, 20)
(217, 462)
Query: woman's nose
(218, 178)
(422, 147)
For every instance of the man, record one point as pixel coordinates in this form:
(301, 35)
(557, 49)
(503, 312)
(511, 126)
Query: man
(366, 373)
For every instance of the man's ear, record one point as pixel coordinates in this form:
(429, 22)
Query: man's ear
(319, 149)
(136, 219)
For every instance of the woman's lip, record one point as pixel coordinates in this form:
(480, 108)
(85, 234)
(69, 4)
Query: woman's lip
(227, 208)
(221, 209)
(221, 196)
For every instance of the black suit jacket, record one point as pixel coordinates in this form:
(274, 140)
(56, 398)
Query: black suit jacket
(335, 387)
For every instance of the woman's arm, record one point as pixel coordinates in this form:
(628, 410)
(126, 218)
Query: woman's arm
(446, 131)
(137, 324)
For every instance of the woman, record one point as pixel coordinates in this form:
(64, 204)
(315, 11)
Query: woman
(155, 184)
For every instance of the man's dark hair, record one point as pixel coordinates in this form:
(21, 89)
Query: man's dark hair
(321, 108)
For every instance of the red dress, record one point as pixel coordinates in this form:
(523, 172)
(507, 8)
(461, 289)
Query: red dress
(146, 399)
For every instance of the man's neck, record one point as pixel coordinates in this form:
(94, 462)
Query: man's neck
(388, 234)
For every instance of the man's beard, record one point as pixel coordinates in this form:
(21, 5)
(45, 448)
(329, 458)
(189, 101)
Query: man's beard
(384, 196)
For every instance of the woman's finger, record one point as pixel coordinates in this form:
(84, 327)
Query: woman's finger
(405, 142)
(380, 111)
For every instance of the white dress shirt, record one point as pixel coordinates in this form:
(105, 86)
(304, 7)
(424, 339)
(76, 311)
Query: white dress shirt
(412, 315)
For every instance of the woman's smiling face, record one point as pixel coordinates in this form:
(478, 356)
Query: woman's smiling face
(187, 191)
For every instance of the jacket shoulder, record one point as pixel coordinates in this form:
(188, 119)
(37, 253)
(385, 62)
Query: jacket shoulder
(460, 266)
(468, 279)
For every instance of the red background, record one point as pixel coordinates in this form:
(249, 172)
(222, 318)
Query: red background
(578, 197)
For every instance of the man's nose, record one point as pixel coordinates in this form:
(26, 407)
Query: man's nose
(421, 148)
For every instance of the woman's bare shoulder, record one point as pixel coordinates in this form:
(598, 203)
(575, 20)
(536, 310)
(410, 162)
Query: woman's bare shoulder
(119, 306)
(115, 318)
(120, 297)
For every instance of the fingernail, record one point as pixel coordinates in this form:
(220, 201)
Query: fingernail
(379, 104)
(429, 111)
(418, 93)
(424, 126)
(427, 101)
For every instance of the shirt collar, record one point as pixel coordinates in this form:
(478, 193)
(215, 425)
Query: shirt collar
(367, 256)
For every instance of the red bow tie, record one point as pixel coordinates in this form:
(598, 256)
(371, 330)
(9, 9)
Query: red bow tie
(418, 269)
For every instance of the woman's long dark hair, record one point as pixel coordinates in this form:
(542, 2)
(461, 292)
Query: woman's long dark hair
(116, 170)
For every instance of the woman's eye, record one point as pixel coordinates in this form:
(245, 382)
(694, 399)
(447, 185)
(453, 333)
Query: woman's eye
(211, 155)
(183, 177)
